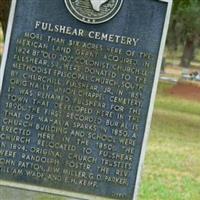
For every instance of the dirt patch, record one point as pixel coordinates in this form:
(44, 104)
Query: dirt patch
(186, 90)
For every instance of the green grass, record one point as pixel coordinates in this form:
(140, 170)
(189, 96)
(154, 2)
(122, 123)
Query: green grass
(45, 197)
(172, 165)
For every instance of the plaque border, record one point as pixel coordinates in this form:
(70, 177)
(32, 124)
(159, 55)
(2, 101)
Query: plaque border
(81, 196)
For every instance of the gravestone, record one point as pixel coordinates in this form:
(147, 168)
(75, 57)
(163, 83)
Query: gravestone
(78, 82)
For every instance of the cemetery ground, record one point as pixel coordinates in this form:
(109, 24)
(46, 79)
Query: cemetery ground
(172, 164)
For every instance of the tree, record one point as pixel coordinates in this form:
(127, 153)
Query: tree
(185, 29)
(173, 39)
(190, 27)
(4, 12)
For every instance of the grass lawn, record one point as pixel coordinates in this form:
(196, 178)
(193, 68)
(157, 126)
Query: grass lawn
(172, 165)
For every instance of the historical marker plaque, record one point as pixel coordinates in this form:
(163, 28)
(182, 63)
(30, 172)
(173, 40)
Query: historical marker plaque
(78, 84)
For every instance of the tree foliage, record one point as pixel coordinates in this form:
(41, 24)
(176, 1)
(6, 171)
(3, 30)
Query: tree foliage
(185, 28)
(190, 19)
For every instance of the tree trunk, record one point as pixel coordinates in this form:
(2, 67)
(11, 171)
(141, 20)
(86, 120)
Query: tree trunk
(175, 38)
(188, 53)
(4, 12)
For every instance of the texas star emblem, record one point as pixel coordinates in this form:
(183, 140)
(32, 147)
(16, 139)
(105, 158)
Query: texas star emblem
(93, 11)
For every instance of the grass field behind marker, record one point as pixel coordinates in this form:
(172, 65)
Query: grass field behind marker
(172, 165)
